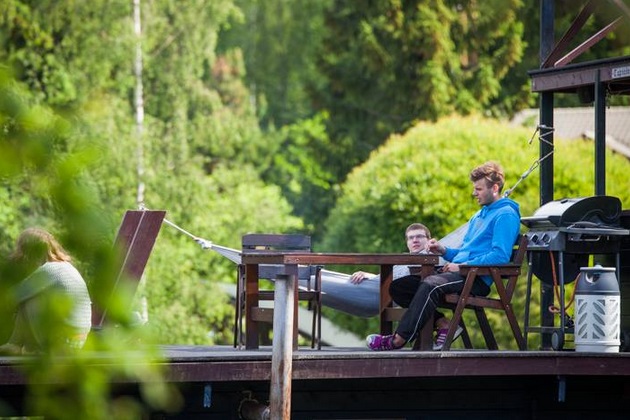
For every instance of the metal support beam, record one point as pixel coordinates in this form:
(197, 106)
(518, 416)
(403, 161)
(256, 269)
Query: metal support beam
(546, 132)
(546, 195)
(547, 12)
(600, 136)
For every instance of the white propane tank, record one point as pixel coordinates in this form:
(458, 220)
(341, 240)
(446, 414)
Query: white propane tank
(597, 310)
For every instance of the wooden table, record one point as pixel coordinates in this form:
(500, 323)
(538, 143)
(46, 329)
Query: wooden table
(291, 261)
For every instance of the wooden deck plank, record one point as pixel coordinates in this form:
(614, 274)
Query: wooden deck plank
(225, 364)
(346, 383)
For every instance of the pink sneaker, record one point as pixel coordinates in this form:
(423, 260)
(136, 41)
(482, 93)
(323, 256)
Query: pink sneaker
(379, 342)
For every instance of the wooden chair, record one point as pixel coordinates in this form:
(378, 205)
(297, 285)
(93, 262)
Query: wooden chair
(135, 239)
(310, 293)
(504, 277)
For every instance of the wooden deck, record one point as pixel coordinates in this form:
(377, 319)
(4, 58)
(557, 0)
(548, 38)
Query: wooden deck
(354, 383)
(193, 364)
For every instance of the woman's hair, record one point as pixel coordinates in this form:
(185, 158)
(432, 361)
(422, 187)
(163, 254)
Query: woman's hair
(492, 172)
(36, 245)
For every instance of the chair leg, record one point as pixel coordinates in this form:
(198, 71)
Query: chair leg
(465, 335)
(424, 341)
(315, 305)
(238, 310)
(486, 330)
(318, 285)
(452, 327)
(314, 323)
(459, 309)
(516, 330)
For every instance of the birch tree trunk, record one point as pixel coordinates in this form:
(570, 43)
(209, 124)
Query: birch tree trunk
(139, 103)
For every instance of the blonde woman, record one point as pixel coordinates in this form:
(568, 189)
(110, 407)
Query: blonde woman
(54, 306)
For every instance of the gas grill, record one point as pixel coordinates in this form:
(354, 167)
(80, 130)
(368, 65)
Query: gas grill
(562, 235)
(576, 225)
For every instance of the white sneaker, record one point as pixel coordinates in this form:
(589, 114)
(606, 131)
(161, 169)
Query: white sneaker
(441, 337)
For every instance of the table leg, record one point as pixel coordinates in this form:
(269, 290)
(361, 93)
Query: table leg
(424, 341)
(292, 269)
(387, 326)
(251, 301)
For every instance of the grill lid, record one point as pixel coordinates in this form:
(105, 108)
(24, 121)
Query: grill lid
(601, 211)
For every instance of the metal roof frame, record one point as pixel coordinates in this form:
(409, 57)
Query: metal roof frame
(592, 81)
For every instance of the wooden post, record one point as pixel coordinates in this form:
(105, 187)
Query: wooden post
(282, 356)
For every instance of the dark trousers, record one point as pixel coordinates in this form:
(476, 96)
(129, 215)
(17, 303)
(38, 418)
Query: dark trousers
(403, 289)
(421, 298)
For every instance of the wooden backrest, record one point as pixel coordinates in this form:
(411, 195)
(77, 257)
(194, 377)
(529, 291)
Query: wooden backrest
(266, 242)
(135, 239)
(520, 248)
(518, 255)
(272, 241)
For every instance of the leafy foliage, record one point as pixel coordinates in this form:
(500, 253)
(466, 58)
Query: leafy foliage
(377, 68)
(279, 40)
(44, 184)
(296, 168)
(395, 63)
(201, 147)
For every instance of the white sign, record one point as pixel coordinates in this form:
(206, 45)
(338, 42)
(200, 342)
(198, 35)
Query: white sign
(620, 72)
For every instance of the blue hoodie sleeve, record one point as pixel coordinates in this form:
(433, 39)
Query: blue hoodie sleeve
(450, 253)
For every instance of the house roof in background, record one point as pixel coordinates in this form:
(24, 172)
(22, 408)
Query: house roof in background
(579, 123)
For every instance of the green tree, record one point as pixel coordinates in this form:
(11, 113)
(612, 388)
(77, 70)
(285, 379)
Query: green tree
(383, 66)
(297, 151)
(202, 143)
(393, 63)
(279, 40)
(66, 50)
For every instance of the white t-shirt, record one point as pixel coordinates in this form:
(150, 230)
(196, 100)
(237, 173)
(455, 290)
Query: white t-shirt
(65, 279)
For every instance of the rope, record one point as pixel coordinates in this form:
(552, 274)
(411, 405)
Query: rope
(537, 162)
(185, 232)
(231, 254)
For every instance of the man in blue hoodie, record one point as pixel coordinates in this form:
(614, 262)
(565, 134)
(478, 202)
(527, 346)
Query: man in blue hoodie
(489, 239)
